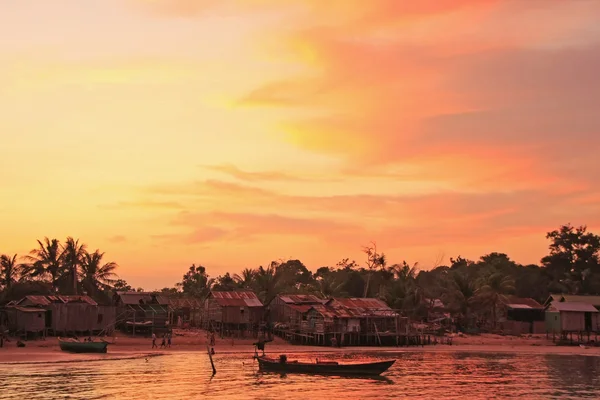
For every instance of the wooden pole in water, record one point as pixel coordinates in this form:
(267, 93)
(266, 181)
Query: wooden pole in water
(211, 360)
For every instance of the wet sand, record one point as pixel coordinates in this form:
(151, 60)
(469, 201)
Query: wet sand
(195, 341)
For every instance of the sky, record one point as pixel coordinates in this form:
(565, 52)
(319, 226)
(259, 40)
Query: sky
(230, 133)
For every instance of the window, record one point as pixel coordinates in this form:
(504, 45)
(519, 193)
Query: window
(100, 318)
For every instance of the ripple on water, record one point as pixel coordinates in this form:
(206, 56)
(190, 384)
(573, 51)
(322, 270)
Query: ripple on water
(423, 375)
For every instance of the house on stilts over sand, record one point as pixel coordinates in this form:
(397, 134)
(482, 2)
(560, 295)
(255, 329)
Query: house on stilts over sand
(233, 313)
(142, 312)
(288, 311)
(337, 321)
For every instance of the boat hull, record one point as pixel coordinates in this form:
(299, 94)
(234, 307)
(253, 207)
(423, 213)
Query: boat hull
(83, 347)
(366, 369)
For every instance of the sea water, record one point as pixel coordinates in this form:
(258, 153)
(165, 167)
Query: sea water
(425, 375)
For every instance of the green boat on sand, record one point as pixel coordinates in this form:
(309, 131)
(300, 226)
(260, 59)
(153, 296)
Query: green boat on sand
(76, 346)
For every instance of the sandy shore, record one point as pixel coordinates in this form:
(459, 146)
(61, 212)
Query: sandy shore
(190, 341)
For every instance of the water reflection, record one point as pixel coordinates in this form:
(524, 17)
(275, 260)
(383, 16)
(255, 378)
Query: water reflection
(422, 375)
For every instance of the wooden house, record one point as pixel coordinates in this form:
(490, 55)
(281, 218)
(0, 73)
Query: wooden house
(570, 298)
(519, 316)
(71, 314)
(571, 317)
(353, 321)
(24, 321)
(185, 311)
(232, 311)
(373, 315)
(142, 312)
(290, 311)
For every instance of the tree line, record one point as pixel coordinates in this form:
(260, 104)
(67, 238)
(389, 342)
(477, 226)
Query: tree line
(470, 289)
(54, 267)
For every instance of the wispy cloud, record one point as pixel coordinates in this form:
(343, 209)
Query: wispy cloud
(117, 239)
(433, 125)
(232, 170)
(145, 204)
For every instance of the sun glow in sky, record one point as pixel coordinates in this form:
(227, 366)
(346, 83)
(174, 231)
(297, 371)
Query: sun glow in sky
(234, 132)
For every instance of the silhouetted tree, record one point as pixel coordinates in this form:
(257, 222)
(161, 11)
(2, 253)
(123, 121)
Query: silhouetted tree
(196, 282)
(574, 259)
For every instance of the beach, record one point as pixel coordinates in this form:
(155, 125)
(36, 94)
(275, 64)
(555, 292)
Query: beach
(124, 347)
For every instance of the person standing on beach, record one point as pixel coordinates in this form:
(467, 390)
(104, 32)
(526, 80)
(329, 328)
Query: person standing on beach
(164, 342)
(154, 340)
(212, 339)
(169, 339)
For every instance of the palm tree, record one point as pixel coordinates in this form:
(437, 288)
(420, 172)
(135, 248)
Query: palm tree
(403, 291)
(492, 290)
(327, 286)
(9, 270)
(246, 279)
(45, 260)
(72, 256)
(267, 282)
(96, 276)
(458, 292)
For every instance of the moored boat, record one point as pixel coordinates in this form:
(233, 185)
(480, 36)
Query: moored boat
(76, 346)
(283, 365)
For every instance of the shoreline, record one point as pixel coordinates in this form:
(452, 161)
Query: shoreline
(196, 341)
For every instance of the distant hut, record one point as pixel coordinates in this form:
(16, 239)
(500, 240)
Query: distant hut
(142, 312)
(232, 311)
(572, 317)
(519, 316)
(290, 310)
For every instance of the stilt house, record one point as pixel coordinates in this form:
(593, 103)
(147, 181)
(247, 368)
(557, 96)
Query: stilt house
(232, 311)
(142, 312)
(289, 311)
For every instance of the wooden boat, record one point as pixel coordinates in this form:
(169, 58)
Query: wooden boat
(76, 346)
(283, 365)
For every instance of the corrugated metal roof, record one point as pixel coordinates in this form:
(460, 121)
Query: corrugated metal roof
(519, 306)
(330, 312)
(525, 301)
(47, 300)
(361, 303)
(363, 307)
(36, 300)
(354, 308)
(593, 300)
(185, 302)
(572, 306)
(239, 298)
(301, 308)
(300, 299)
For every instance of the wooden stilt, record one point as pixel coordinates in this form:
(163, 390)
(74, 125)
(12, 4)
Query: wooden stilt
(211, 360)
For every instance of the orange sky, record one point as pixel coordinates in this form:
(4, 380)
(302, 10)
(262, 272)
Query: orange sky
(233, 132)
